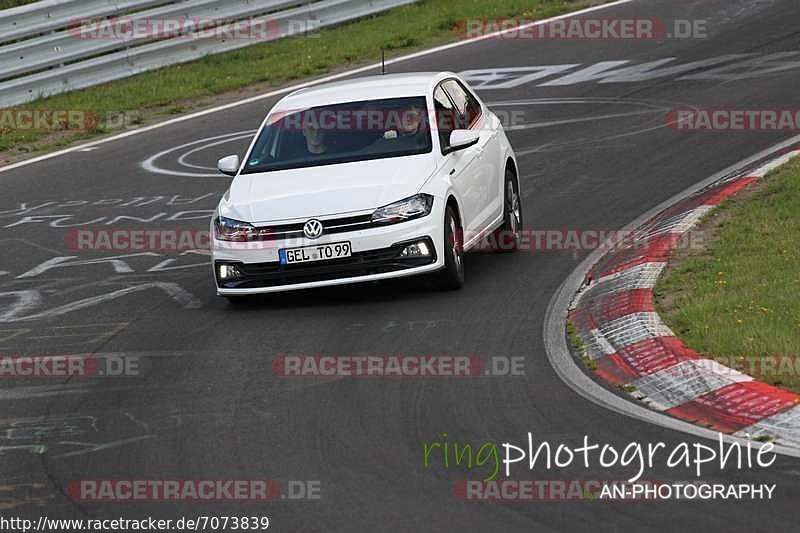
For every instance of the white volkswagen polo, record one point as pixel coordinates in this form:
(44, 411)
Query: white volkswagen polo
(363, 180)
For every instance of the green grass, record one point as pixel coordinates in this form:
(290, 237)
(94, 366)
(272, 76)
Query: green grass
(742, 295)
(6, 4)
(580, 347)
(401, 30)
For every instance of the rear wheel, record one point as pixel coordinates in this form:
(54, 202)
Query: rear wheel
(451, 277)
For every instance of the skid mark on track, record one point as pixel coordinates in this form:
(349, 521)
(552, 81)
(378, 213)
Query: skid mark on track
(91, 447)
(61, 437)
(652, 111)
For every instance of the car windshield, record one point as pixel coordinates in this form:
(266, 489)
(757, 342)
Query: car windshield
(342, 133)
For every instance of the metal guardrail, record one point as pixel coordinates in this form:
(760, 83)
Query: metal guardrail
(74, 63)
(49, 15)
(67, 46)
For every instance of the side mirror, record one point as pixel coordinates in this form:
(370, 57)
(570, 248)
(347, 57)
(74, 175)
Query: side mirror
(460, 139)
(229, 165)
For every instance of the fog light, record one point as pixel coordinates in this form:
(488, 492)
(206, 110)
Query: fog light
(227, 272)
(418, 249)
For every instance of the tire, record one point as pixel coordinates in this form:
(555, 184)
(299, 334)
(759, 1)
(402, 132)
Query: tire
(507, 237)
(239, 300)
(451, 277)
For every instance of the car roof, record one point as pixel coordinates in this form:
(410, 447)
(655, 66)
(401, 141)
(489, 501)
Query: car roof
(366, 88)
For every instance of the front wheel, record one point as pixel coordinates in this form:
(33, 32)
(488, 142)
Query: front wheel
(507, 237)
(238, 300)
(451, 277)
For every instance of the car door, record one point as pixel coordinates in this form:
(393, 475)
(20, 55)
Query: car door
(463, 164)
(484, 170)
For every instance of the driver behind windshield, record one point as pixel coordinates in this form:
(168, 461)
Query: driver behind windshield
(342, 133)
(315, 140)
(405, 134)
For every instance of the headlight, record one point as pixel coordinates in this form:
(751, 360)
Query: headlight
(227, 229)
(410, 208)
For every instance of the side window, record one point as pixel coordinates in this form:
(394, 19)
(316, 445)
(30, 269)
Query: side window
(446, 116)
(469, 109)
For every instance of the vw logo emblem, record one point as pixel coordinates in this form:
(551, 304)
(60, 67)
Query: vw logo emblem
(313, 229)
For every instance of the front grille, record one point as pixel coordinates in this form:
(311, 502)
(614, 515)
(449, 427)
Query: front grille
(334, 225)
(263, 275)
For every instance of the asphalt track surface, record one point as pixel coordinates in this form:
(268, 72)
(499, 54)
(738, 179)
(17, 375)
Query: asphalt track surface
(209, 406)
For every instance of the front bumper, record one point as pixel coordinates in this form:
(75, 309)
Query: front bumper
(376, 256)
(369, 264)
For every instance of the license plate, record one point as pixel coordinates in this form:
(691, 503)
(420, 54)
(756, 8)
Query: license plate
(309, 254)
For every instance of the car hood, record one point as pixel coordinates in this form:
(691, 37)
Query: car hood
(325, 190)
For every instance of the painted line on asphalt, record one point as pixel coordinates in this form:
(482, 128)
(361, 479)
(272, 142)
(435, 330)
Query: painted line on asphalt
(333, 77)
(151, 163)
